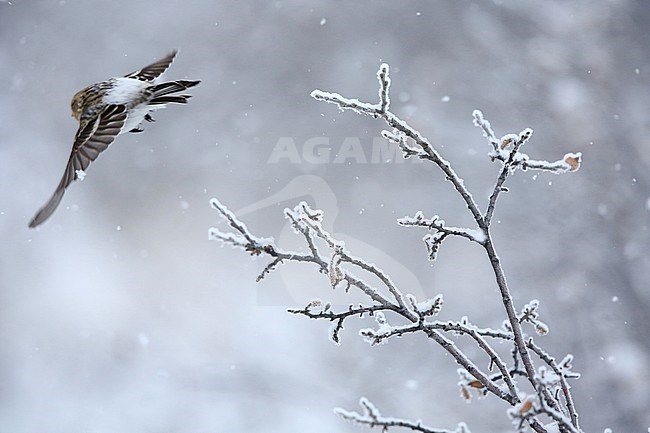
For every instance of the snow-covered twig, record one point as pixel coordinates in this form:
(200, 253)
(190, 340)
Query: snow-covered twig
(570, 161)
(399, 125)
(433, 331)
(484, 124)
(506, 170)
(306, 221)
(563, 371)
(344, 256)
(242, 237)
(339, 318)
(438, 225)
(371, 417)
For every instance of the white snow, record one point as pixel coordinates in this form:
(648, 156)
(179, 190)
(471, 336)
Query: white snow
(428, 307)
(412, 385)
(552, 428)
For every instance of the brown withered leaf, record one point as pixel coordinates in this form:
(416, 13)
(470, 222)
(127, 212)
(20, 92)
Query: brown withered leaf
(526, 406)
(476, 384)
(573, 160)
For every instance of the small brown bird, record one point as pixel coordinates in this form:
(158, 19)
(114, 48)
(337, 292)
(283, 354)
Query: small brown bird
(107, 109)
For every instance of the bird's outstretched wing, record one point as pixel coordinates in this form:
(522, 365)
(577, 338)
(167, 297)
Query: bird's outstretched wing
(91, 140)
(154, 70)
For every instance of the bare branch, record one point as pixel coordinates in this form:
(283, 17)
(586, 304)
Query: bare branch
(400, 125)
(318, 230)
(399, 138)
(436, 224)
(372, 418)
(569, 163)
(386, 331)
(346, 103)
(563, 373)
(325, 313)
(268, 269)
(510, 309)
(477, 335)
(483, 123)
(507, 167)
(384, 86)
(459, 185)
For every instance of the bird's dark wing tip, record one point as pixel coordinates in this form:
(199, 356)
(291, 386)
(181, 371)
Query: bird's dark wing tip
(154, 70)
(46, 211)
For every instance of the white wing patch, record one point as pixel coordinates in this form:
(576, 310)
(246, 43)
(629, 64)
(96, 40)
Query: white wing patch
(125, 91)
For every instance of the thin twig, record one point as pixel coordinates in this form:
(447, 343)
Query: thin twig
(372, 418)
(550, 361)
(507, 166)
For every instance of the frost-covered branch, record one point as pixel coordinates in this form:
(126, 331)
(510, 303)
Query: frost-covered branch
(430, 153)
(326, 313)
(570, 161)
(313, 225)
(436, 224)
(307, 222)
(372, 418)
(425, 149)
(563, 372)
(507, 167)
(440, 232)
(544, 395)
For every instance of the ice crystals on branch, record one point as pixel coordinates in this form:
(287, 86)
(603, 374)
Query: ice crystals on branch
(242, 238)
(301, 213)
(344, 103)
(433, 241)
(570, 162)
(430, 307)
(529, 314)
(377, 336)
(398, 137)
(371, 417)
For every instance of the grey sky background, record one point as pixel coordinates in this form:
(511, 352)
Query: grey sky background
(119, 315)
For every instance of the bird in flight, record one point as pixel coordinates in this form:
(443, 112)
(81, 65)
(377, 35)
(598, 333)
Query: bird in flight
(109, 108)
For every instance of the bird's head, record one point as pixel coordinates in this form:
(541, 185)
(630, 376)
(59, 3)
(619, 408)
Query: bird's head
(77, 103)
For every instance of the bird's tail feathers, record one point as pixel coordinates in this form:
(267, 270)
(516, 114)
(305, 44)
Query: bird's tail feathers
(46, 211)
(163, 89)
(179, 99)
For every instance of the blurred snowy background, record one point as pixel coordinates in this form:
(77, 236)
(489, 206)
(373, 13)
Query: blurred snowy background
(118, 315)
